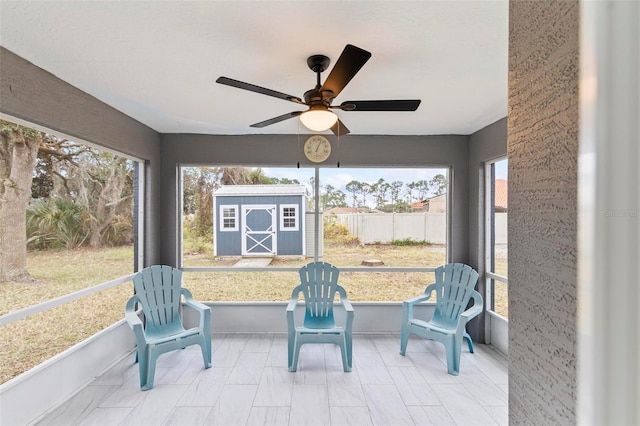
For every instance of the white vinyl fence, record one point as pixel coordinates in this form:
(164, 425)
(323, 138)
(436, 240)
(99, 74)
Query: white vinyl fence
(384, 228)
(387, 227)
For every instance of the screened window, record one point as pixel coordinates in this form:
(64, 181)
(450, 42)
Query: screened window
(496, 236)
(289, 217)
(229, 215)
(84, 228)
(391, 222)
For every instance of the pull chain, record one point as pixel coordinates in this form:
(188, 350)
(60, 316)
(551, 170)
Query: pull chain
(339, 143)
(298, 143)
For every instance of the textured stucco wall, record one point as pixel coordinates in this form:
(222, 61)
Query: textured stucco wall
(542, 149)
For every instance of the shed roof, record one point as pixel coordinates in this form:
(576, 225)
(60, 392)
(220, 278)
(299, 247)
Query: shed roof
(231, 190)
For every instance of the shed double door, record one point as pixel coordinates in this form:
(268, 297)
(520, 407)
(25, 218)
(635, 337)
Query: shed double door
(259, 230)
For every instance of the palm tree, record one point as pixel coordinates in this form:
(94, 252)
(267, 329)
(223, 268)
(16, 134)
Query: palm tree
(56, 223)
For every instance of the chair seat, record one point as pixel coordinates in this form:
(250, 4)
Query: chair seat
(429, 326)
(173, 337)
(306, 330)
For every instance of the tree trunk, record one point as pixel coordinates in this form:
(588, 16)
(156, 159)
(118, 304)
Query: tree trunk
(18, 155)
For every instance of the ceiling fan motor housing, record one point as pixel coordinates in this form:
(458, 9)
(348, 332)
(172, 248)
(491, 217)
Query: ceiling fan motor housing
(318, 63)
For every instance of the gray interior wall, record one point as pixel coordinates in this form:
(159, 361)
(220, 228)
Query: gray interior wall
(543, 148)
(286, 151)
(36, 96)
(484, 145)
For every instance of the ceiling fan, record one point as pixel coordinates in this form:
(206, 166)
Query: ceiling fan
(319, 116)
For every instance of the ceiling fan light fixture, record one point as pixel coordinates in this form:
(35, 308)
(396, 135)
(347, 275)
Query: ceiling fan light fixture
(318, 120)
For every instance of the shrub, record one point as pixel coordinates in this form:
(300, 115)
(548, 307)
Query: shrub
(335, 232)
(410, 242)
(195, 239)
(56, 223)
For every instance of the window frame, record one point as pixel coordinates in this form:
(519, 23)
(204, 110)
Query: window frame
(295, 217)
(236, 225)
(489, 238)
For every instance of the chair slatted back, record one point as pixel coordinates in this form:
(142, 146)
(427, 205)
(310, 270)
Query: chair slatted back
(158, 289)
(319, 283)
(454, 285)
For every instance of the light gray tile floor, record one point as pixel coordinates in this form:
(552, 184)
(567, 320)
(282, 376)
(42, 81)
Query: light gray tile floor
(249, 384)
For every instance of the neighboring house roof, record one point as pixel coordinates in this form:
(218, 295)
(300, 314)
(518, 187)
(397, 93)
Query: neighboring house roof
(232, 190)
(501, 197)
(346, 210)
(423, 203)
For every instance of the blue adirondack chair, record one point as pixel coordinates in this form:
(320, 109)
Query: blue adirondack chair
(454, 287)
(159, 291)
(319, 285)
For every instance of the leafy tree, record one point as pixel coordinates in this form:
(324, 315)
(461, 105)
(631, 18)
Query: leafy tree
(189, 190)
(286, 181)
(56, 223)
(355, 188)
(438, 184)
(395, 188)
(422, 186)
(411, 188)
(104, 186)
(18, 154)
(331, 198)
(207, 181)
(245, 176)
(365, 189)
(379, 190)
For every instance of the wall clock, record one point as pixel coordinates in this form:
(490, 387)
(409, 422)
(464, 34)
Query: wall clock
(317, 148)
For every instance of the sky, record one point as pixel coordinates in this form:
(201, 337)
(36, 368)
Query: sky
(339, 177)
(501, 169)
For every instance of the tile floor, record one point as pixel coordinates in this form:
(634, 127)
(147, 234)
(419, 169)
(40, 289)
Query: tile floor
(249, 384)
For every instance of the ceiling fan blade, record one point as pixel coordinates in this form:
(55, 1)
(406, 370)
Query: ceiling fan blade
(390, 105)
(348, 64)
(339, 129)
(277, 119)
(253, 88)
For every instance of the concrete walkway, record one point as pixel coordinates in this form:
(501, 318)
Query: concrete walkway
(249, 262)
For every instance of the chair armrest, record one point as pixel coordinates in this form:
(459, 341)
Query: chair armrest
(419, 299)
(191, 302)
(204, 310)
(416, 300)
(344, 300)
(291, 309)
(470, 313)
(134, 320)
(349, 320)
(130, 312)
(347, 305)
(407, 305)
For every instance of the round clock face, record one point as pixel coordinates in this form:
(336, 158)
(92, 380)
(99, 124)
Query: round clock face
(317, 148)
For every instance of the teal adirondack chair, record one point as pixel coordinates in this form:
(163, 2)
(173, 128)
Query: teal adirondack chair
(159, 291)
(454, 287)
(319, 285)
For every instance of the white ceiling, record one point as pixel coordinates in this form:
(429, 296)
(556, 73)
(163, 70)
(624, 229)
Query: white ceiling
(157, 61)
